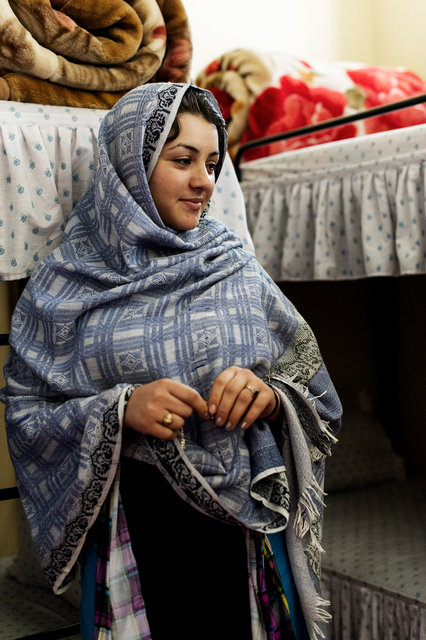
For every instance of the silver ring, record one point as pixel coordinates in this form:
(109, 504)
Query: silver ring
(167, 420)
(252, 390)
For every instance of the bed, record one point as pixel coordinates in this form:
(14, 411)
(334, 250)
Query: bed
(341, 210)
(354, 210)
(31, 611)
(374, 569)
(330, 157)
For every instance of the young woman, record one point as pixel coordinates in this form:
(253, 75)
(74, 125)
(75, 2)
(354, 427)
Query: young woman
(168, 409)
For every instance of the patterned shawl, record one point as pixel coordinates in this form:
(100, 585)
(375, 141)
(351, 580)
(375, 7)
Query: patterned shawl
(125, 300)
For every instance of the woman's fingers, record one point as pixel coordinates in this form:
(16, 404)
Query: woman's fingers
(168, 426)
(170, 420)
(189, 398)
(218, 389)
(160, 408)
(239, 397)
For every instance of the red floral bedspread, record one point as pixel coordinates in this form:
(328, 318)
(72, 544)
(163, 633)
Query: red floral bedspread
(265, 94)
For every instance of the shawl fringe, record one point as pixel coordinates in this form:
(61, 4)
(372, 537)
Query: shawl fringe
(322, 616)
(304, 390)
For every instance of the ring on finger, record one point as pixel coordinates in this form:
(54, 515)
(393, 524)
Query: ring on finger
(167, 420)
(252, 390)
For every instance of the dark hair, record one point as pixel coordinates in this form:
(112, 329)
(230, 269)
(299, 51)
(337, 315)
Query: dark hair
(200, 102)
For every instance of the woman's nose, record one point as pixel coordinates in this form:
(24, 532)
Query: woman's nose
(201, 178)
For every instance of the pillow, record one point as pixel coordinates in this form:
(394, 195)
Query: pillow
(363, 455)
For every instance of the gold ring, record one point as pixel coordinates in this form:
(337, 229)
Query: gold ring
(252, 390)
(167, 420)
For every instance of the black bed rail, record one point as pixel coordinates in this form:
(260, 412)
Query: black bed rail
(54, 634)
(22, 283)
(10, 493)
(326, 124)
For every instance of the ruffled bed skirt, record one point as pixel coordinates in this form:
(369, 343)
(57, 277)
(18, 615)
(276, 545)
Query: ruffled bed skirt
(364, 612)
(342, 210)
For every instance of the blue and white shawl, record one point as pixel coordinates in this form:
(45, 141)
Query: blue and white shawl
(125, 300)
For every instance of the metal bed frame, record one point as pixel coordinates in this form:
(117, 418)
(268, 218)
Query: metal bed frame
(325, 124)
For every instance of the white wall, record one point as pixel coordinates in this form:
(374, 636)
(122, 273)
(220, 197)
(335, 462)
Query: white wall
(378, 32)
(305, 28)
(383, 32)
(356, 30)
(401, 39)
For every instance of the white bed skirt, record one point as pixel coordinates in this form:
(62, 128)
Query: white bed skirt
(342, 210)
(364, 612)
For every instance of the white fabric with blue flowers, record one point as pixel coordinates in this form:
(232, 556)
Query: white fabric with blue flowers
(342, 210)
(47, 158)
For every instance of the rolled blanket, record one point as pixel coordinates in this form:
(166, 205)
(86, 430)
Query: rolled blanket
(252, 88)
(236, 78)
(88, 53)
(264, 94)
(22, 88)
(72, 32)
(176, 64)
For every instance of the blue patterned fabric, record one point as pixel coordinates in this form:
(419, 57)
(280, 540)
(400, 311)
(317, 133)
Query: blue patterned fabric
(125, 300)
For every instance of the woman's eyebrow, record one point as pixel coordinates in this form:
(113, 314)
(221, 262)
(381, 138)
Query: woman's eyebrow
(189, 147)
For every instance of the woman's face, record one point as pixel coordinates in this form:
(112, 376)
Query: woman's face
(183, 178)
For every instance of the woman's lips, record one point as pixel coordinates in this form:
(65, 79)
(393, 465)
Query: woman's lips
(192, 204)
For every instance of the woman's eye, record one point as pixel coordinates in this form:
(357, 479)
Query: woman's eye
(211, 167)
(183, 161)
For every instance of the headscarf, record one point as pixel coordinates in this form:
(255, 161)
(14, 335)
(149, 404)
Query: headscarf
(125, 300)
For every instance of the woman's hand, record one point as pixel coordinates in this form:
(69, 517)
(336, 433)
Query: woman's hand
(239, 397)
(159, 408)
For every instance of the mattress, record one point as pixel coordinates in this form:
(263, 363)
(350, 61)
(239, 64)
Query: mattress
(374, 569)
(26, 609)
(342, 210)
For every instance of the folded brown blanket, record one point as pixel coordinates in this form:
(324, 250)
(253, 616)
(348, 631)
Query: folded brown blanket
(177, 62)
(88, 53)
(21, 88)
